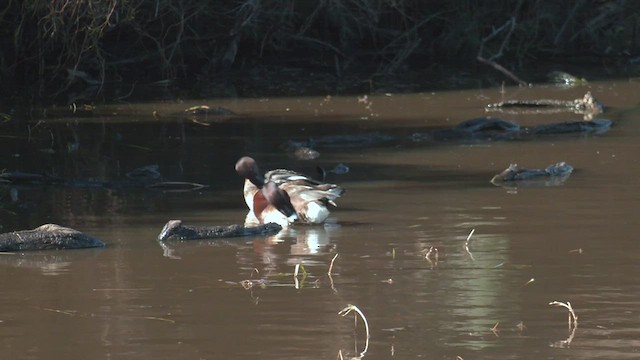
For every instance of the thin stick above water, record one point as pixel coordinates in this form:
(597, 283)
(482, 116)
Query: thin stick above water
(331, 266)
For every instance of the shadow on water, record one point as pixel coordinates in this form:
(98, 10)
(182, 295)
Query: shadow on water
(399, 233)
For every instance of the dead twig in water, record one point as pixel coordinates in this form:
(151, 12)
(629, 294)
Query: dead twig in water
(66, 312)
(160, 319)
(495, 330)
(573, 324)
(466, 245)
(329, 273)
(573, 318)
(331, 266)
(346, 311)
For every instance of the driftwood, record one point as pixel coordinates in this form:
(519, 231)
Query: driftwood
(175, 230)
(552, 175)
(585, 105)
(46, 237)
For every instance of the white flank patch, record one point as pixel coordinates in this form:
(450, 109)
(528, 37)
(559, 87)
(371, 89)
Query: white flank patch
(296, 177)
(316, 213)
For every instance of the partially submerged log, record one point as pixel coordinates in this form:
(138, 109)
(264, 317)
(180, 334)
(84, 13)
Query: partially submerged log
(558, 172)
(586, 104)
(46, 237)
(175, 230)
(595, 126)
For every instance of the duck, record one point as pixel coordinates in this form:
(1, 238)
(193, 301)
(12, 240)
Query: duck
(272, 205)
(267, 195)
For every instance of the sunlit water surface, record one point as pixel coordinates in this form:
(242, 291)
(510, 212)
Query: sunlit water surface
(239, 299)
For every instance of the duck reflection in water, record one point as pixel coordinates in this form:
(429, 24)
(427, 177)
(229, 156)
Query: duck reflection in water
(285, 247)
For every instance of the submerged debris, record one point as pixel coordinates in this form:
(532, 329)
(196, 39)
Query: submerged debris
(482, 128)
(595, 126)
(341, 141)
(145, 174)
(340, 169)
(176, 186)
(19, 177)
(147, 177)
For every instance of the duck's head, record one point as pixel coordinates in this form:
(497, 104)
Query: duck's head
(280, 200)
(248, 169)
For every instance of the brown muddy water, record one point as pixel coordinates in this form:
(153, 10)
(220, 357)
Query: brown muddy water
(136, 299)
